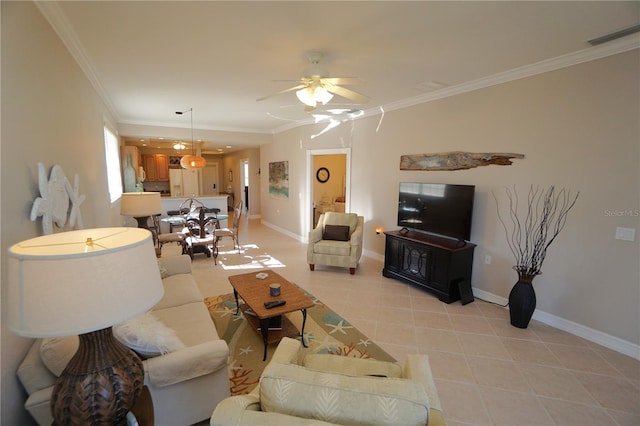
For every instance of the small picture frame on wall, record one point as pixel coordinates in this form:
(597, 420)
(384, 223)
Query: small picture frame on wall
(230, 175)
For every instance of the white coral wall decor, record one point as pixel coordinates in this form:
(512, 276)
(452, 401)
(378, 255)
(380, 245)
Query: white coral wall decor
(53, 203)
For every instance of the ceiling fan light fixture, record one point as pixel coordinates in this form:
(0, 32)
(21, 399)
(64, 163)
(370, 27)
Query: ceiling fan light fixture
(310, 96)
(179, 146)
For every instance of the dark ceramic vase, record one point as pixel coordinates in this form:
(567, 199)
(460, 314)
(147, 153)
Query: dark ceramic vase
(522, 302)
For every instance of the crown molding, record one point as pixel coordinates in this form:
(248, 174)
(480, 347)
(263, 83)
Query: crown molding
(58, 21)
(589, 54)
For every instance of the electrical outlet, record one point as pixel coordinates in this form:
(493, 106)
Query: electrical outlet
(487, 259)
(625, 234)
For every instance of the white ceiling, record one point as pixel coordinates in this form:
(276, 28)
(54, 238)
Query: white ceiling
(149, 59)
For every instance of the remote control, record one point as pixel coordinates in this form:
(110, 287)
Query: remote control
(274, 303)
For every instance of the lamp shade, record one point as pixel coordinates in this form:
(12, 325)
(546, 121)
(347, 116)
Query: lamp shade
(140, 204)
(193, 162)
(80, 281)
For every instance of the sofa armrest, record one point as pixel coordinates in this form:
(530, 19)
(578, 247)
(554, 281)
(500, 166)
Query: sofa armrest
(174, 265)
(230, 410)
(288, 352)
(186, 364)
(356, 237)
(416, 367)
(39, 406)
(315, 234)
(32, 372)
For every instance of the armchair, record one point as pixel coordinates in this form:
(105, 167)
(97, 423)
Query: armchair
(336, 241)
(322, 389)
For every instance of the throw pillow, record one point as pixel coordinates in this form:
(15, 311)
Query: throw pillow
(56, 352)
(336, 232)
(147, 336)
(297, 391)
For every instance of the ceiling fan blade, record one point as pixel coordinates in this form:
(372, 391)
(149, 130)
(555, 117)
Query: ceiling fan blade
(346, 93)
(349, 81)
(290, 89)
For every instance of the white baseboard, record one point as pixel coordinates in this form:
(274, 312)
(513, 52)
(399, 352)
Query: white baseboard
(373, 255)
(595, 336)
(283, 231)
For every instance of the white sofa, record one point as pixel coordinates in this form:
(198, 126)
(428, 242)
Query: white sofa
(185, 385)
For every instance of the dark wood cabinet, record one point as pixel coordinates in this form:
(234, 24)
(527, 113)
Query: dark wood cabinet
(441, 265)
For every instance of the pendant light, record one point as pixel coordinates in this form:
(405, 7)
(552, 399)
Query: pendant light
(192, 161)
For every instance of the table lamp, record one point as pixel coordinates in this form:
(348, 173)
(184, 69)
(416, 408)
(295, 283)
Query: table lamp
(84, 282)
(141, 205)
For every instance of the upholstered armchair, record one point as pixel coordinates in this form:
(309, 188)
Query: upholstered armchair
(320, 389)
(336, 241)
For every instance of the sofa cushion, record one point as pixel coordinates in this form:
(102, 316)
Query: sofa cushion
(336, 232)
(147, 336)
(56, 352)
(191, 322)
(332, 247)
(352, 366)
(178, 290)
(297, 391)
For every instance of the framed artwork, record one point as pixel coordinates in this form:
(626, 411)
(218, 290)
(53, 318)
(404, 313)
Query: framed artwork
(279, 179)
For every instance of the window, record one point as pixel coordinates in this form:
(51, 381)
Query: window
(112, 155)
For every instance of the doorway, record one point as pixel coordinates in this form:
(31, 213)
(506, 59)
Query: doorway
(244, 179)
(336, 185)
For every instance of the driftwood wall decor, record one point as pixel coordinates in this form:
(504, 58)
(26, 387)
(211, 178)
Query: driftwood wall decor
(455, 160)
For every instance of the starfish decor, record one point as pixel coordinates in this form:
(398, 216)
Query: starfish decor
(75, 218)
(53, 202)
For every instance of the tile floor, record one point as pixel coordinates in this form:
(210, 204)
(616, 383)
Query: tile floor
(486, 371)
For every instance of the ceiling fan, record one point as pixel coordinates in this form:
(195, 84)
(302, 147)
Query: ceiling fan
(317, 87)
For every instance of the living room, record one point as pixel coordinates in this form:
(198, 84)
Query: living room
(577, 127)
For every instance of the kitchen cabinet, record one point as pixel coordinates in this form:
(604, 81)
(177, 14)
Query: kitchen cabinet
(156, 167)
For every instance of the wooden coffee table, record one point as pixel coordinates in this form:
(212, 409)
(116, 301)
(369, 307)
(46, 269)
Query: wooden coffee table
(255, 292)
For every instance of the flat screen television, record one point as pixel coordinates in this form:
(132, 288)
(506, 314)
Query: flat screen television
(436, 208)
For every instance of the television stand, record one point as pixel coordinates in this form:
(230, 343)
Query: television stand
(441, 265)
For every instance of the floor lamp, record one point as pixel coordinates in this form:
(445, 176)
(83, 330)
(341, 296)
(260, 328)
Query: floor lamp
(84, 282)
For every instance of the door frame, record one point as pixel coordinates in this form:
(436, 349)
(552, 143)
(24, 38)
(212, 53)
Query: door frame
(308, 210)
(244, 178)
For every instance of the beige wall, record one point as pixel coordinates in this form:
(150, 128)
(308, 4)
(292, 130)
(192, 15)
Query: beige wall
(50, 114)
(578, 128)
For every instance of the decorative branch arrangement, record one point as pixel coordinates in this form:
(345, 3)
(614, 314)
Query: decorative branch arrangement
(546, 216)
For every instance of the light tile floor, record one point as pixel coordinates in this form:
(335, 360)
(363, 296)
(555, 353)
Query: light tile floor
(486, 371)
